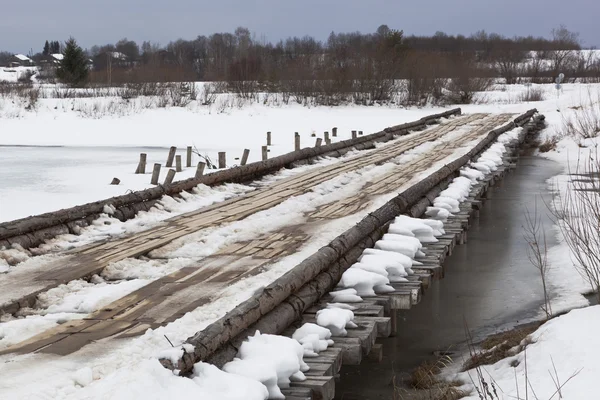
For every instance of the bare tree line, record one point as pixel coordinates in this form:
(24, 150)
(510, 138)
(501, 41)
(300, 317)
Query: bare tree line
(385, 66)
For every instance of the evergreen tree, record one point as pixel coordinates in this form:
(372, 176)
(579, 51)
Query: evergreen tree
(46, 48)
(55, 47)
(73, 68)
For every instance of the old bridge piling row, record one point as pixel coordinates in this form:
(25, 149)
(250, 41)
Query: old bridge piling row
(222, 157)
(32, 231)
(296, 296)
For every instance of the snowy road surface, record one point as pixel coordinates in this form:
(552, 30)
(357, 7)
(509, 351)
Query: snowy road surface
(244, 243)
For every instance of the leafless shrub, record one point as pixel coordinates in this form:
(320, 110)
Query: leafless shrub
(27, 93)
(180, 94)
(210, 91)
(63, 92)
(532, 94)
(577, 211)
(463, 89)
(585, 123)
(549, 144)
(26, 76)
(537, 252)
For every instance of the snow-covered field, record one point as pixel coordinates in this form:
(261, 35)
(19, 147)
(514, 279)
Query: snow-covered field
(97, 149)
(68, 175)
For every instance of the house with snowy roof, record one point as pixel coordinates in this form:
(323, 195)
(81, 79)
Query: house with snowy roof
(20, 60)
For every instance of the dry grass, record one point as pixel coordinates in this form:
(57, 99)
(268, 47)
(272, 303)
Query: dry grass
(534, 94)
(501, 345)
(585, 123)
(424, 383)
(548, 145)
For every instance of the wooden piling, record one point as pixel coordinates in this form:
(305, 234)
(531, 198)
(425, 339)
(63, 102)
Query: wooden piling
(178, 163)
(354, 135)
(155, 174)
(200, 169)
(222, 160)
(334, 132)
(141, 168)
(360, 133)
(188, 161)
(318, 142)
(245, 157)
(268, 138)
(264, 153)
(327, 139)
(170, 177)
(297, 141)
(171, 157)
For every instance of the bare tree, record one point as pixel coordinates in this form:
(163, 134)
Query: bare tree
(537, 252)
(578, 214)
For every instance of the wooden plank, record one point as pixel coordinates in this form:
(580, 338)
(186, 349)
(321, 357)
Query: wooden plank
(322, 387)
(352, 350)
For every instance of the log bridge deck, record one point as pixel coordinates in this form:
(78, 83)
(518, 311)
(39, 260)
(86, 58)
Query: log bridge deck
(170, 297)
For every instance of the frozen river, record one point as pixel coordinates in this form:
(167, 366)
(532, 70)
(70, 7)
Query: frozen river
(35, 180)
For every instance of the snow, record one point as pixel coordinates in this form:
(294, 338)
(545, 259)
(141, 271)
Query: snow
(224, 386)
(363, 281)
(568, 344)
(278, 354)
(336, 320)
(22, 57)
(346, 296)
(127, 368)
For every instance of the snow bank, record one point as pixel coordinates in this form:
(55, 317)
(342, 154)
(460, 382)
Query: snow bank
(365, 283)
(220, 385)
(346, 296)
(283, 355)
(313, 338)
(566, 344)
(336, 320)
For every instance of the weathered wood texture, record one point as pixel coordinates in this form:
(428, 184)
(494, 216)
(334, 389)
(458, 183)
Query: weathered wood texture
(28, 232)
(171, 157)
(153, 181)
(314, 276)
(188, 159)
(245, 157)
(141, 168)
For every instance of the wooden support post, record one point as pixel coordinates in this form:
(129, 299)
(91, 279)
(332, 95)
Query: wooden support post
(178, 163)
(334, 132)
(200, 169)
(245, 157)
(327, 139)
(188, 161)
(141, 168)
(394, 321)
(170, 177)
(268, 138)
(222, 160)
(318, 142)
(155, 174)
(353, 134)
(171, 157)
(297, 141)
(360, 133)
(264, 153)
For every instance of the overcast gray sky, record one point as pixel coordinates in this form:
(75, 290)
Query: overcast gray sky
(26, 24)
